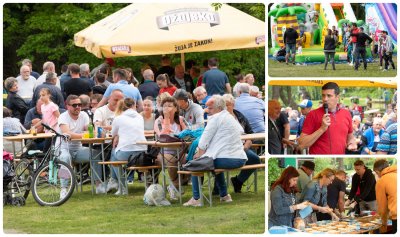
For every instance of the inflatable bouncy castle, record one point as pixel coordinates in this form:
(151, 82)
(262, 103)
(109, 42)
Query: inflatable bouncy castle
(311, 21)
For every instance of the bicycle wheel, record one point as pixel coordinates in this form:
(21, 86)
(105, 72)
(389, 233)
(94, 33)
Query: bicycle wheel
(53, 184)
(21, 184)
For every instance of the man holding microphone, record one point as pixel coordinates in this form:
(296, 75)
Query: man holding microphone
(328, 129)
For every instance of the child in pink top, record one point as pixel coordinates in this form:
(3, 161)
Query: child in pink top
(50, 111)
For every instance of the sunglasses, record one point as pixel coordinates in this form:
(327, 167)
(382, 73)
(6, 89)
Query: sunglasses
(76, 105)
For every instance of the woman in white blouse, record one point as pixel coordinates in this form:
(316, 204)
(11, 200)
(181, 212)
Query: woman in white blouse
(128, 126)
(221, 141)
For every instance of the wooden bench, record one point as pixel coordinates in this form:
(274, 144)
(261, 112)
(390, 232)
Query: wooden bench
(259, 148)
(146, 170)
(121, 173)
(200, 174)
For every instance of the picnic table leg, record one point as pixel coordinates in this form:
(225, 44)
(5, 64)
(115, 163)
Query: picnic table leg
(15, 153)
(102, 159)
(255, 181)
(91, 167)
(227, 180)
(163, 170)
(179, 179)
(145, 173)
(209, 188)
(200, 191)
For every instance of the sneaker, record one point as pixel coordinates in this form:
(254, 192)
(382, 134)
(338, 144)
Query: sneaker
(351, 64)
(63, 193)
(124, 192)
(237, 185)
(112, 184)
(193, 203)
(100, 189)
(171, 191)
(227, 198)
(384, 70)
(130, 181)
(380, 67)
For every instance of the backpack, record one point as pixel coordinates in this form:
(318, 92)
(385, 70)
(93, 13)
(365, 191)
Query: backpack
(144, 158)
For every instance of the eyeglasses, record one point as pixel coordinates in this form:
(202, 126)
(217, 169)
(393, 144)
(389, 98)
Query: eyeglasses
(379, 116)
(76, 105)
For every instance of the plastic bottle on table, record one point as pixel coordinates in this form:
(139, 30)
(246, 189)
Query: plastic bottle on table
(91, 130)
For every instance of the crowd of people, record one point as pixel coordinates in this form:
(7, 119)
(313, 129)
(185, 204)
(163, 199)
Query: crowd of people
(371, 190)
(355, 42)
(168, 101)
(332, 128)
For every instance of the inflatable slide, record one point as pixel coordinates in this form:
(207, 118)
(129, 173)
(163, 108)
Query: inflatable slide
(382, 16)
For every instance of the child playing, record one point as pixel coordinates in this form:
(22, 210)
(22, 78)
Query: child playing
(299, 49)
(49, 109)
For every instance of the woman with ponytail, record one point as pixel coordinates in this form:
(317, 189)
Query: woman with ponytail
(316, 194)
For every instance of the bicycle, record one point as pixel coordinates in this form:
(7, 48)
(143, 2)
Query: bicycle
(51, 180)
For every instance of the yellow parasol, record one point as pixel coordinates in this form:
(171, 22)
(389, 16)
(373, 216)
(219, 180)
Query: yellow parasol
(152, 29)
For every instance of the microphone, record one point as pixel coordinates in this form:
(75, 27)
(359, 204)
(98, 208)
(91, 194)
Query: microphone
(325, 105)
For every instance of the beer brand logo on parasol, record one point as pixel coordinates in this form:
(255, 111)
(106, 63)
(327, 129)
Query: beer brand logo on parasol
(118, 48)
(186, 16)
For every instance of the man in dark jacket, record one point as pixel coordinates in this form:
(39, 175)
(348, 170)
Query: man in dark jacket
(289, 39)
(361, 39)
(362, 188)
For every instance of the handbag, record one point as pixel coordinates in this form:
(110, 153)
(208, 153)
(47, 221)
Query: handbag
(166, 138)
(203, 163)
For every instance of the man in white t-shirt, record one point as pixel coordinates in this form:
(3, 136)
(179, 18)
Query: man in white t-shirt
(26, 84)
(104, 115)
(74, 122)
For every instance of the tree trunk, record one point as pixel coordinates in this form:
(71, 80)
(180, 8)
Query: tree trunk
(276, 92)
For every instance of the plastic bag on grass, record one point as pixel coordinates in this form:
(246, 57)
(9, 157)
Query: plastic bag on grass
(155, 196)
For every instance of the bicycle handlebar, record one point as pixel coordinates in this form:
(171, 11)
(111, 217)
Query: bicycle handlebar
(54, 131)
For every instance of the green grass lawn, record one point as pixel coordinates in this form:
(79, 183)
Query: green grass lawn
(277, 69)
(85, 213)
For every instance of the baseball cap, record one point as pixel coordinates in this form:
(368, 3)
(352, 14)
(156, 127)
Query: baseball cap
(181, 94)
(305, 104)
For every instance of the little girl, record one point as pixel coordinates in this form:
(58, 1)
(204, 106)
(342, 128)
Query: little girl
(299, 49)
(49, 109)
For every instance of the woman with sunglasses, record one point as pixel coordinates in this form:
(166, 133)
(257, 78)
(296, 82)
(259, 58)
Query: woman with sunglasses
(316, 194)
(165, 84)
(283, 199)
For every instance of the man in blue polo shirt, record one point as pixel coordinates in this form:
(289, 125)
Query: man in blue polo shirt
(120, 82)
(251, 107)
(215, 81)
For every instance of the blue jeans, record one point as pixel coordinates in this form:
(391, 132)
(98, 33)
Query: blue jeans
(219, 163)
(360, 51)
(120, 156)
(252, 159)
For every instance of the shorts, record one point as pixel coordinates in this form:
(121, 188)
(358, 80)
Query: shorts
(291, 48)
